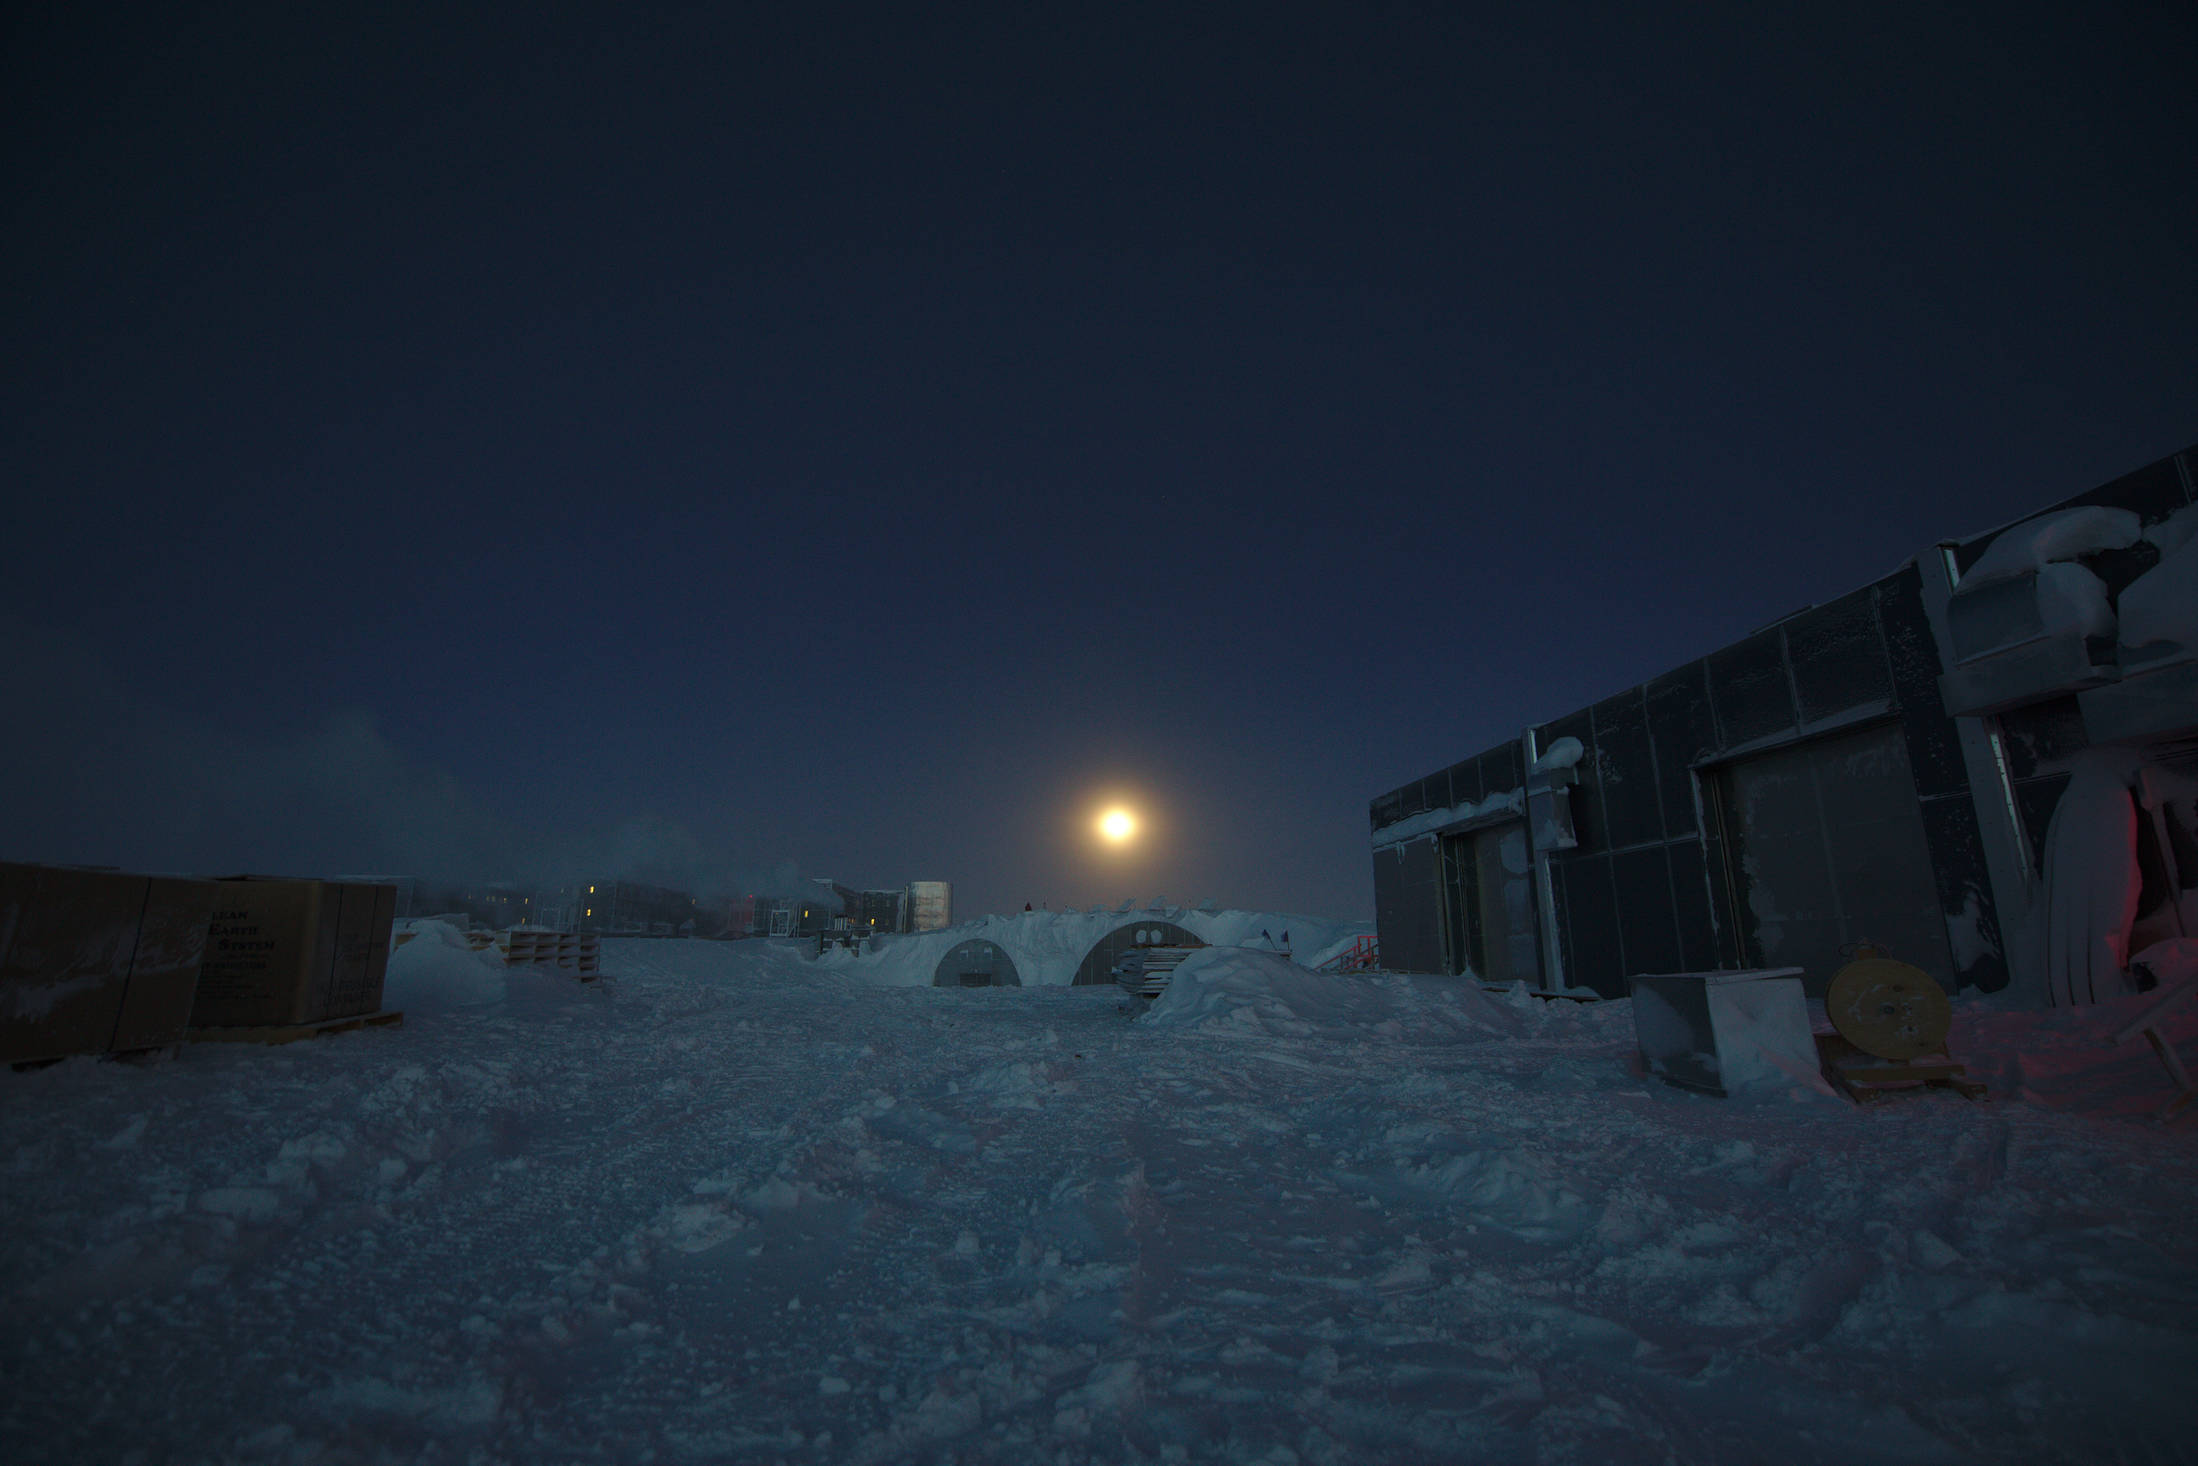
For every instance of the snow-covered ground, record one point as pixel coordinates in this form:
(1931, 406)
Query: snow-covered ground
(735, 1205)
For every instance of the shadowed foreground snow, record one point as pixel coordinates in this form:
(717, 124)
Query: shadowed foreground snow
(732, 1205)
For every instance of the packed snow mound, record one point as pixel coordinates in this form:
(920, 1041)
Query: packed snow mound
(2159, 609)
(2064, 534)
(1048, 946)
(1239, 990)
(437, 971)
(2175, 531)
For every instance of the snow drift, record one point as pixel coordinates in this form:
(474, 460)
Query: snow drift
(1240, 990)
(437, 971)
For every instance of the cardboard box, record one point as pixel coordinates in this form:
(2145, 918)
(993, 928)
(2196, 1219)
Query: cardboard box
(293, 951)
(93, 961)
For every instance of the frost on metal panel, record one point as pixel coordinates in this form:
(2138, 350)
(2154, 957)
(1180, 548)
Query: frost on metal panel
(1832, 851)
(1495, 806)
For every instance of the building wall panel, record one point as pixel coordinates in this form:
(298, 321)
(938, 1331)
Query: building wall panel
(1501, 770)
(1408, 907)
(1834, 853)
(1912, 655)
(1965, 891)
(1626, 770)
(1658, 759)
(1690, 890)
(1749, 690)
(1727, 903)
(1597, 960)
(1683, 734)
(1465, 781)
(1648, 928)
(1837, 656)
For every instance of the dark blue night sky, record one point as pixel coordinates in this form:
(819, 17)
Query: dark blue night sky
(481, 441)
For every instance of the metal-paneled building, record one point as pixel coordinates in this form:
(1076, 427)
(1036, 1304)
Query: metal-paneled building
(1880, 767)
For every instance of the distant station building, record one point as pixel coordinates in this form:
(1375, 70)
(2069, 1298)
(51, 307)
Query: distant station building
(831, 907)
(618, 909)
(635, 908)
(1884, 767)
(484, 904)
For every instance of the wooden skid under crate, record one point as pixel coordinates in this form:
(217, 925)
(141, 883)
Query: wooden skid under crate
(1863, 1077)
(282, 1033)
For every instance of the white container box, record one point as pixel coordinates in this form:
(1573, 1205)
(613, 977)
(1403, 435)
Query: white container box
(1723, 1032)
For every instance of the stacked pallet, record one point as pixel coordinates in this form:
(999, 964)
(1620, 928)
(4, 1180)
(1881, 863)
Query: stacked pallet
(579, 953)
(1144, 971)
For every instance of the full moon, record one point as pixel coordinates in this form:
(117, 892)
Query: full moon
(1117, 825)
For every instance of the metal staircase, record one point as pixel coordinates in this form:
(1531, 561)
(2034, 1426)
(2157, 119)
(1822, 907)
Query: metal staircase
(1363, 953)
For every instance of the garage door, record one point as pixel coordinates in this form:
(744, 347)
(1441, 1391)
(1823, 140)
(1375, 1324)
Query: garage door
(1491, 926)
(1828, 850)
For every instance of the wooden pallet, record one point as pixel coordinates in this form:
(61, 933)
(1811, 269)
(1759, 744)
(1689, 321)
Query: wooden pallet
(282, 1033)
(1864, 1077)
(577, 953)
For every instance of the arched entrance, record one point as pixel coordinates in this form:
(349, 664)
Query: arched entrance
(976, 963)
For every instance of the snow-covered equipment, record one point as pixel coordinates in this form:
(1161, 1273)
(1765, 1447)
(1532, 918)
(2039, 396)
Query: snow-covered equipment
(1143, 971)
(2028, 621)
(1892, 1019)
(1726, 1032)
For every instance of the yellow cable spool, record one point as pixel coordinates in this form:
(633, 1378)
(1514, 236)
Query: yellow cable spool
(1887, 1008)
